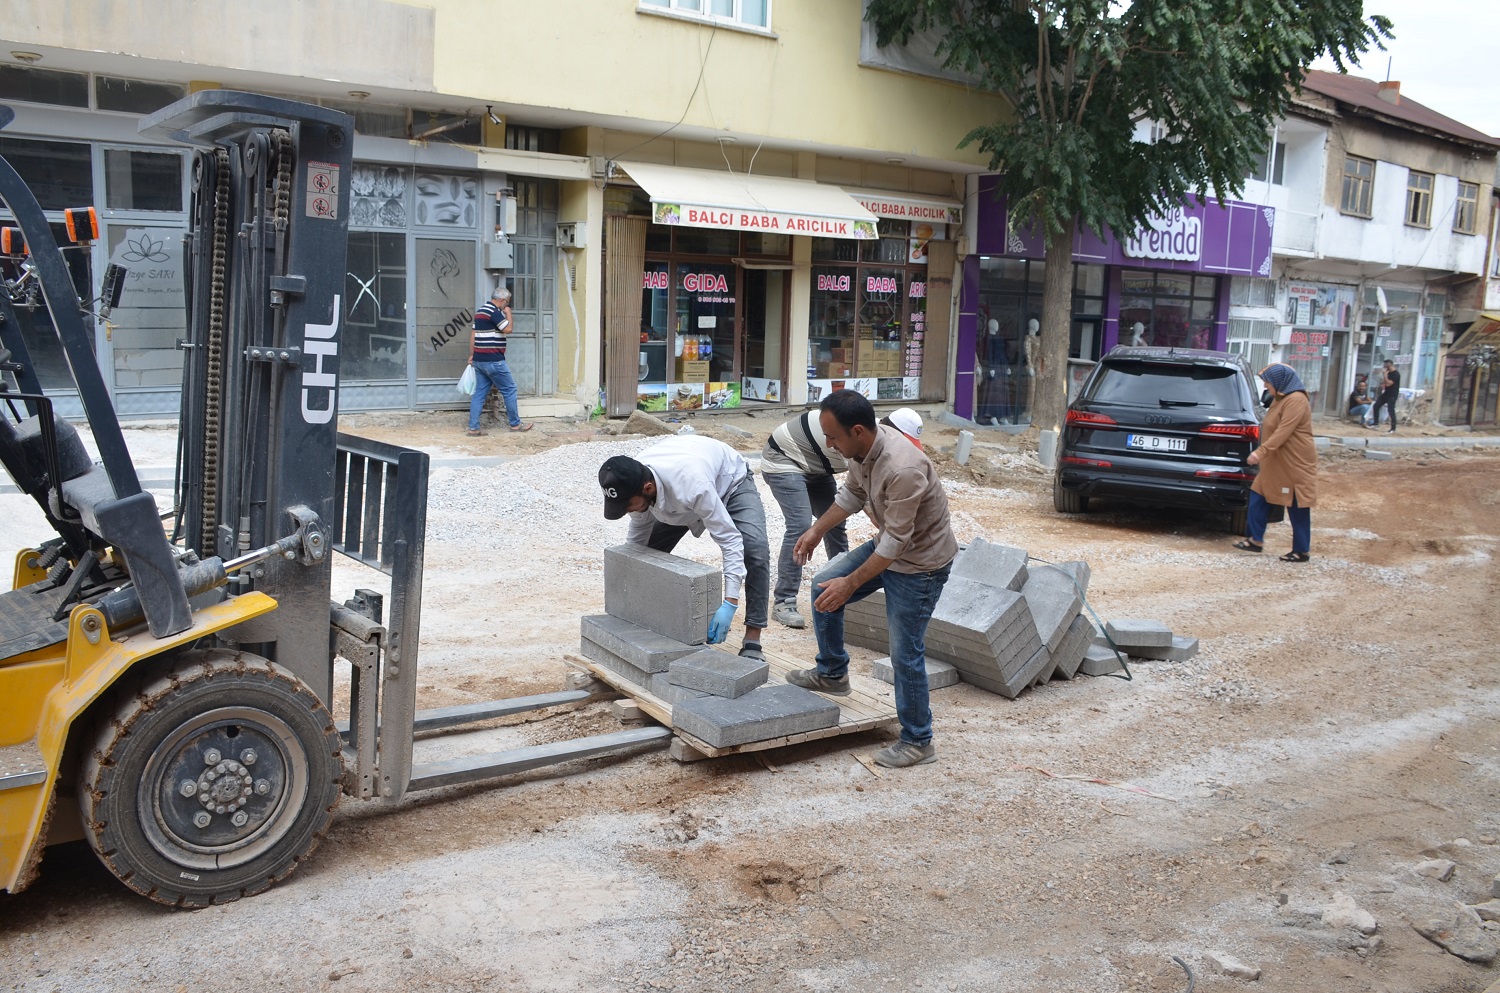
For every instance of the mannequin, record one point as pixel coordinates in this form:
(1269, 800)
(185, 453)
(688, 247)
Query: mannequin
(1138, 335)
(1034, 359)
(994, 383)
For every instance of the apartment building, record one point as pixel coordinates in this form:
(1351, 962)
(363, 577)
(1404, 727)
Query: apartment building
(695, 203)
(1384, 223)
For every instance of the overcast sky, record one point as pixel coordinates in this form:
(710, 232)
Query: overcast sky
(1442, 54)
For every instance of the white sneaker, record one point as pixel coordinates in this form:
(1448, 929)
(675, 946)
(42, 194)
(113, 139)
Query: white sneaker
(786, 613)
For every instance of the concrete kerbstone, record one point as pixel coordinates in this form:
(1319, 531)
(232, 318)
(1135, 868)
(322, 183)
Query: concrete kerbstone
(1180, 650)
(719, 673)
(1075, 644)
(1011, 687)
(664, 689)
(670, 595)
(985, 610)
(1133, 632)
(1099, 660)
(939, 674)
(595, 653)
(1054, 601)
(1376, 455)
(764, 712)
(1080, 572)
(1000, 566)
(641, 647)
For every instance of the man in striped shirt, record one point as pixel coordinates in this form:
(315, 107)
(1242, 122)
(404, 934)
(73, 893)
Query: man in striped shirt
(799, 468)
(487, 356)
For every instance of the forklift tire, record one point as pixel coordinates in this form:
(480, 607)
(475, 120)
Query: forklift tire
(212, 781)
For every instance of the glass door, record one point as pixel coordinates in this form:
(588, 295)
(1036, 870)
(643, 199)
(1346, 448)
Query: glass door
(447, 292)
(141, 334)
(704, 334)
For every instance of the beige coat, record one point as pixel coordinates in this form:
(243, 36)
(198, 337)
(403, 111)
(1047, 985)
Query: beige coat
(1288, 457)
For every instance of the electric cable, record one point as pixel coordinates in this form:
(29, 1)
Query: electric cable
(702, 66)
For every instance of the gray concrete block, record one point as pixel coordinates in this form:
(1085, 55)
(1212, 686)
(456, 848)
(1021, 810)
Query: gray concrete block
(1378, 456)
(614, 663)
(1011, 687)
(765, 712)
(641, 647)
(939, 674)
(1080, 572)
(1069, 654)
(875, 639)
(994, 644)
(719, 673)
(664, 689)
(1180, 650)
(1054, 600)
(999, 661)
(978, 607)
(1099, 660)
(672, 596)
(1133, 632)
(994, 565)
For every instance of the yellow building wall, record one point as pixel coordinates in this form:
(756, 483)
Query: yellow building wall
(606, 59)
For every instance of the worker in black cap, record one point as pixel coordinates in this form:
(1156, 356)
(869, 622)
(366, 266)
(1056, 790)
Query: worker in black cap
(691, 483)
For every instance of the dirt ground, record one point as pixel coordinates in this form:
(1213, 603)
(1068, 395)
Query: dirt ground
(1341, 725)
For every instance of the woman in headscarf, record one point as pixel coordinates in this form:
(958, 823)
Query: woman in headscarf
(1288, 461)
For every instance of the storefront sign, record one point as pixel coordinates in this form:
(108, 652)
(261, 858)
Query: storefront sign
(1176, 236)
(723, 219)
(910, 210)
(705, 282)
(918, 289)
(882, 284)
(1319, 305)
(837, 284)
(654, 280)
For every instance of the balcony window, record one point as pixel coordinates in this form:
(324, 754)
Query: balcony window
(733, 13)
(1419, 199)
(1466, 211)
(1359, 185)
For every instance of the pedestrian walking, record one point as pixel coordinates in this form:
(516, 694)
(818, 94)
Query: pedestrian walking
(492, 324)
(1288, 461)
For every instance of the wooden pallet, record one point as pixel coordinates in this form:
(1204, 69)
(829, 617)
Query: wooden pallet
(864, 709)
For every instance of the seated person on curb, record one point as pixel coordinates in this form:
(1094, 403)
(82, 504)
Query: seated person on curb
(692, 483)
(896, 485)
(1359, 398)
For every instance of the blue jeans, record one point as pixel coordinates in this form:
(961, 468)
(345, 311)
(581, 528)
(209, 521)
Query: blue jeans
(909, 601)
(496, 374)
(802, 500)
(1301, 518)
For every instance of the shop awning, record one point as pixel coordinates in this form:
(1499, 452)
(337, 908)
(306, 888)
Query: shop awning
(704, 198)
(1485, 330)
(909, 206)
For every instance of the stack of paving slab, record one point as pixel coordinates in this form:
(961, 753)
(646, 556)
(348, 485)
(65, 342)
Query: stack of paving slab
(1137, 638)
(652, 633)
(999, 625)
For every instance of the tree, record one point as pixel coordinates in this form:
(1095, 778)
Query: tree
(1082, 75)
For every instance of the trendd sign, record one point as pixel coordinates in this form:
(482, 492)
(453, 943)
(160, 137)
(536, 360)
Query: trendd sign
(1177, 236)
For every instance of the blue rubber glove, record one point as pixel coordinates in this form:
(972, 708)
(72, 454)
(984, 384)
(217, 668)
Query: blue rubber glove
(718, 628)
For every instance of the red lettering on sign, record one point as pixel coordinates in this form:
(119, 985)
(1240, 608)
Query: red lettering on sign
(838, 284)
(880, 284)
(705, 282)
(654, 280)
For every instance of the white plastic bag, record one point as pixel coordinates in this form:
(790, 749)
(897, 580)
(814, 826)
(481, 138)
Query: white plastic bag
(466, 383)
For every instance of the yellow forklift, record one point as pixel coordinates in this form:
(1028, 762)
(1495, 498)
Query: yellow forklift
(167, 678)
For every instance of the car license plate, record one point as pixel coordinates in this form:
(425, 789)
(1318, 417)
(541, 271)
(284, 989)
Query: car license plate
(1156, 443)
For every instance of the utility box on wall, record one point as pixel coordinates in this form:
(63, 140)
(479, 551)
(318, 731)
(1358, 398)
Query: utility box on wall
(499, 255)
(572, 234)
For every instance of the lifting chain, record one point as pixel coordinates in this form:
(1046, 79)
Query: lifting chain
(213, 384)
(282, 142)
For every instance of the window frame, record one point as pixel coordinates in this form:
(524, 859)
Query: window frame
(1419, 198)
(1472, 211)
(1364, 188)
(701, 15)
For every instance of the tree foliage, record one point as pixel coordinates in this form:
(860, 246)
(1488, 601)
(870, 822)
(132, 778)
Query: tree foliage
(1212, 75)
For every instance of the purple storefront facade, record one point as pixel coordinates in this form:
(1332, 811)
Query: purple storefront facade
(1168, 283)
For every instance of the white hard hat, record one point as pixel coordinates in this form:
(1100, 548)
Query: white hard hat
(907, 421)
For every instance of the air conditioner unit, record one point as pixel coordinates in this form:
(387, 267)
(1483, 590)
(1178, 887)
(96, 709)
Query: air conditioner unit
(572, 234)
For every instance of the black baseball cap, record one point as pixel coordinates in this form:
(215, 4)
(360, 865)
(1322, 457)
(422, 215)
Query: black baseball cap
(621, 478)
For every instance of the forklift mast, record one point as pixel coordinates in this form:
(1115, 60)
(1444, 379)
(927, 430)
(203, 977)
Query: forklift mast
(266, 250)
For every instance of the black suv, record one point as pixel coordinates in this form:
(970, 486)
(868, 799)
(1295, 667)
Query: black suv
(1161, 427)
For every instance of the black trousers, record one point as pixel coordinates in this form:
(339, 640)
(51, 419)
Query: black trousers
(1390, 404)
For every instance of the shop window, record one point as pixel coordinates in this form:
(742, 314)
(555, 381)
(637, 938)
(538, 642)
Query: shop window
(1167, 309)
(830, 336)
(1088, 280)
(62, 89)
(1419, 199)
(892, 247)
(135, 96)
(59, 173)
(378, 196)
(374, 345)
(1466, 209)
(762, 244)
(705, 241)
(446, 292)
(445, 200)
(140, 180)
(1359, 186)
(835, 250)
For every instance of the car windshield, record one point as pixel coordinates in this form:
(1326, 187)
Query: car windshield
(1149, 384)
